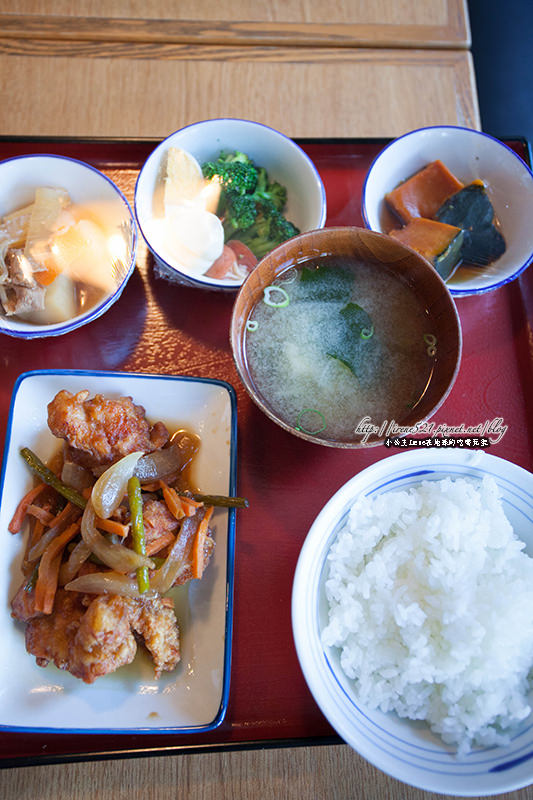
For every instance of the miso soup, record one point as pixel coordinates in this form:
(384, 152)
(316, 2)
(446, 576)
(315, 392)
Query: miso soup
(336, 341)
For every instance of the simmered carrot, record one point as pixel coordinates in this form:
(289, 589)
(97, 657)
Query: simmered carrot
(36, 533)
(172, 500)
(112, 526)
(197, 552)
(189, 506)
(179, 505)
(156, 545)
(47, 578)
(17, 519)
(46, 275)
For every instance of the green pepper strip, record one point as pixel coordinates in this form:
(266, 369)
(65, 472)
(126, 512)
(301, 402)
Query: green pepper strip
(137, 530)
(46, 475)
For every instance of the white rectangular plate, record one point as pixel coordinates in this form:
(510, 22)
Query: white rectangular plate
(194, 696)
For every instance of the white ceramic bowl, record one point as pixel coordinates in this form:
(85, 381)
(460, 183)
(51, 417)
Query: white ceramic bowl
(469, 154)
(20, 176)
(404, 749)
(283, 159)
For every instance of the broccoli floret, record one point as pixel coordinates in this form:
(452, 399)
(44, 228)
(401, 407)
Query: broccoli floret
(270, 191)
(236, 177)
(250, 205)
(240, 213)
(269, 230)
(281, 229)
(278, 195)
(229, 157)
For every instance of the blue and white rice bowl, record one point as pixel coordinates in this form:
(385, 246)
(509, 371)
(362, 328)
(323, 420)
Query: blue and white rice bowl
(282, 158)
(470, 155)
(405, 749)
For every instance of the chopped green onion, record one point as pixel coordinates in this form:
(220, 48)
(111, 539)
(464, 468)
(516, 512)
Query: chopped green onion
(289, 276)
(137, 530)
(48, 477)
(307, 415)
(252, 325)
(269, 290)
(367, 333)
(430, 339)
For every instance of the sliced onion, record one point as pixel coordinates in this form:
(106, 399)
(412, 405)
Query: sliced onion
(177, 560)
(188, 444)
(70, 568)
(107, 583)
(76, 476)
(116, 556)
(112, 484)
(38, 549)
(158, 464)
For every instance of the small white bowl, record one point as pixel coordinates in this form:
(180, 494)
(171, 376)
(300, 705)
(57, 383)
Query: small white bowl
(282, 158)
(469, 154)
(406, 749)
(20, 176)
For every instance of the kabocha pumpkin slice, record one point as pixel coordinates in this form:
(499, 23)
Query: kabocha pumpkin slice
(471, 210)
(438, 242)
(423, 193)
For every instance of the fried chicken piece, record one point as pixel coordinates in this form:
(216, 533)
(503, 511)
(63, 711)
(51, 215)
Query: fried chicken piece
(92, 636)
(104, 640)
(48, 637)
(157, 520)
(156, 623)
(23, 604)
(99, 431)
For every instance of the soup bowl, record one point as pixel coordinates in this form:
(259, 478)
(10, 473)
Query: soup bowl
(334, 320)
(90, 243)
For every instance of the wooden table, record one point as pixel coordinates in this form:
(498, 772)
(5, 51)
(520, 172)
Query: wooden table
(309, 68)
(306, 67)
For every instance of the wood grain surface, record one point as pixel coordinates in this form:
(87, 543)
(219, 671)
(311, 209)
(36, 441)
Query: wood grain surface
(307, 773)
(389, 23)
(149, 90)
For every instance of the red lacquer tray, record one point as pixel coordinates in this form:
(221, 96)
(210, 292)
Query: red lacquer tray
(156, 327)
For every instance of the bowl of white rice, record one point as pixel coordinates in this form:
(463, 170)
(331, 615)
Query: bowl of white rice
(412, 614)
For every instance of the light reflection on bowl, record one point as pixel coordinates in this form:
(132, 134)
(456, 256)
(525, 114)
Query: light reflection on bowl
(103, 203)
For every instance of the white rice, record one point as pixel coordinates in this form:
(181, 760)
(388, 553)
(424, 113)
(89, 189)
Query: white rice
(431, 604)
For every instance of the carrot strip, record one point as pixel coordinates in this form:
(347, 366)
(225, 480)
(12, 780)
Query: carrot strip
(197, 554)
(47, 578)
(112, 526)
(17, 519)
(189, 506)
(157, 544)
(35, 534)
(172, 501)
(62, 515)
